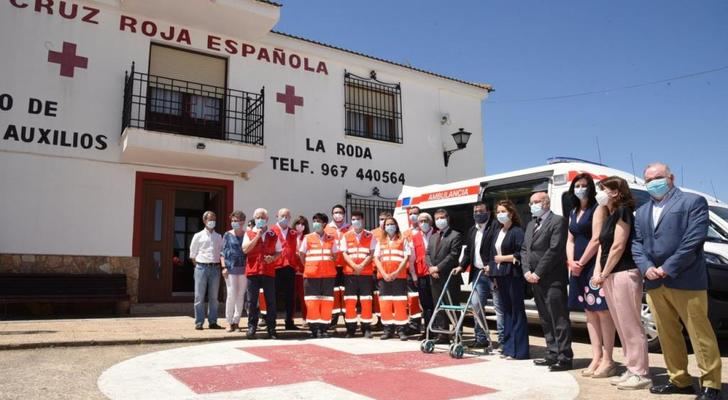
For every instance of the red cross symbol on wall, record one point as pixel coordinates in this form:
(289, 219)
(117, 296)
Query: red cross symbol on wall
(290, 99)
(388, 376)
(68, 59)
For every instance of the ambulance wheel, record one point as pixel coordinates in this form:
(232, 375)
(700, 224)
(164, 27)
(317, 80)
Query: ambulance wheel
(457, 350)
(427, 346)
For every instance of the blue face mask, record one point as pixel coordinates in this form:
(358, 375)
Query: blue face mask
(283, 222)
(503, 217)
(658, 188)
(391, 229)
(356, 223)
(236, 225)
(425, 226)
(259, 223)
(536, 210)
(317, 227)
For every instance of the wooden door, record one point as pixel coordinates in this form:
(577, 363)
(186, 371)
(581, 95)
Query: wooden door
(155, 272)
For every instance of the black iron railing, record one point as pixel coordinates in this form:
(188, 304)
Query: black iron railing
(371, 206)
(164, 104)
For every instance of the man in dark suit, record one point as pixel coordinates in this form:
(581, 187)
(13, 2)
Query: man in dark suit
(668, 249)
(443, 251)
(543, 260)
(477, 255)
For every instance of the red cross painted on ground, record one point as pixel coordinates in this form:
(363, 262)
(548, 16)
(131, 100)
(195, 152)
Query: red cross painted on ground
(68, 59)
(396, 375)
(290, 99)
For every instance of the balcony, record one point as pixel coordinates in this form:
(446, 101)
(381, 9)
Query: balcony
(179, 123)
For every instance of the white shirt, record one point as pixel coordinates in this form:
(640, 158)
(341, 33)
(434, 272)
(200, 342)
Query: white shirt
(247, 239)
(478, 261)
(284, 232)
(206, 247)
(658, 206)
(343, 246)
(304, 247)
(499, 242)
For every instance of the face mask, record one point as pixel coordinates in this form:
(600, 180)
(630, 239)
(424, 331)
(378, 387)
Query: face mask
(658, 188)
(413, 217)
(210, 224)
(283, 222)
(536, 210)
(338, 217)
(300, 228)
(425, 226)
(259, 223)
(580, 193)
(236, 225)
(356, 223)
(602, 198)
(441, 223)
(481, 218)
(318, 227)
(391, 229)
(503, 217)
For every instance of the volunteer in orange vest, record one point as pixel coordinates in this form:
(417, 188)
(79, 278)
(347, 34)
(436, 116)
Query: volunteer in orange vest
(338, 227)
(419, 271)
(357, 247)
(391, 256)
(379, 235)
(262, 249)
(318, 253)
(286, 264)
(414, 309)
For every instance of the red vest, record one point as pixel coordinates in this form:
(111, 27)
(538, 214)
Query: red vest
(319, 251)
(289, 250)
(255, 264)
(420, 252)
(391, 255)
(358, 251)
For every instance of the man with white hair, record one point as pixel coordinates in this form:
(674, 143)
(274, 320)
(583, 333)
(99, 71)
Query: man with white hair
(543, 258)
(668, 249)
(262, 248)
(205, 249)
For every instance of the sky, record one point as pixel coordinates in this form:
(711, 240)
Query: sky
(537, 54)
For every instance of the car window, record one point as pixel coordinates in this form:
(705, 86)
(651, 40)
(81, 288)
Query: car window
(519, 193)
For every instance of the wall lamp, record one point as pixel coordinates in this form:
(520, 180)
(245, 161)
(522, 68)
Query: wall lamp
(461, 138)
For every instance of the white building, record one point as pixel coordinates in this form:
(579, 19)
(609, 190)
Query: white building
(123, 120)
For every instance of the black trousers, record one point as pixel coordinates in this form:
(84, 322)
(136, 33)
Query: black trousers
(551, 301)
(267, 283)
(285, 280)
(437, 286)
(428, 306)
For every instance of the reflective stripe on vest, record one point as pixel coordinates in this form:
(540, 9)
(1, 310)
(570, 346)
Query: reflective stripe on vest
(318, 256)
(358, 251)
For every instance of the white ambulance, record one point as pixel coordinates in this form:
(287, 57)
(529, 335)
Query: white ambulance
(555, 178)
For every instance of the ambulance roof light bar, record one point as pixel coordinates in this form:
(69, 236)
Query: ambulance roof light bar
(560, 160)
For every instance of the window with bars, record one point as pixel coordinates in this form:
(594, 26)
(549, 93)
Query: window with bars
(371, 206)
(373, 108)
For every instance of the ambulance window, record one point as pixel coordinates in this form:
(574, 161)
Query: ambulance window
(640, 197)
(715, 232)
(373, 108)
(519, 193)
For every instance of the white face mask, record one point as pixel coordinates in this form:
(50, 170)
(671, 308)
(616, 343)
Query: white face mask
(602, 198)
(503, 217)
(210, 224)
(441, 223)
(300, 228)
(580, 192)
(338, 217)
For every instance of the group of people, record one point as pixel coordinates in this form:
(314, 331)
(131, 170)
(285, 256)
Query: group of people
(604, 252)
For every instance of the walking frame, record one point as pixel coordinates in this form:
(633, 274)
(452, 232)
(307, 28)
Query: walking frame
(455, 313)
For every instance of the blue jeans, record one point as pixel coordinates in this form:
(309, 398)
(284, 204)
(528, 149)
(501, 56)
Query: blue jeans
(482, 289)
(207, 281)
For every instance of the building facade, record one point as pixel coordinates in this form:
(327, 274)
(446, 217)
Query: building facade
(123, 120)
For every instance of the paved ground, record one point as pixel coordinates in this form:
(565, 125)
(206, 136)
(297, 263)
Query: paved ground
(40, 371)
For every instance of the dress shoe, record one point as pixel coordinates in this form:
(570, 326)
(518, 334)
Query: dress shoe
(403, 335)
(368, 334)
(544, 362)
(386, 334)
(442, 339)
(290, 326)
(250, 334)
(670, 388)
(709, 394)
(272, 334)
(561, 366)
(198, 327)
(215, 326)
(232, 328)
(314, 334)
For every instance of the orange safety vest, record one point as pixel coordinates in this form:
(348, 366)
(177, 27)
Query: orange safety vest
(358, 251)
(319, 253)
(289, 251)
(255, 264)
(391, 255)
